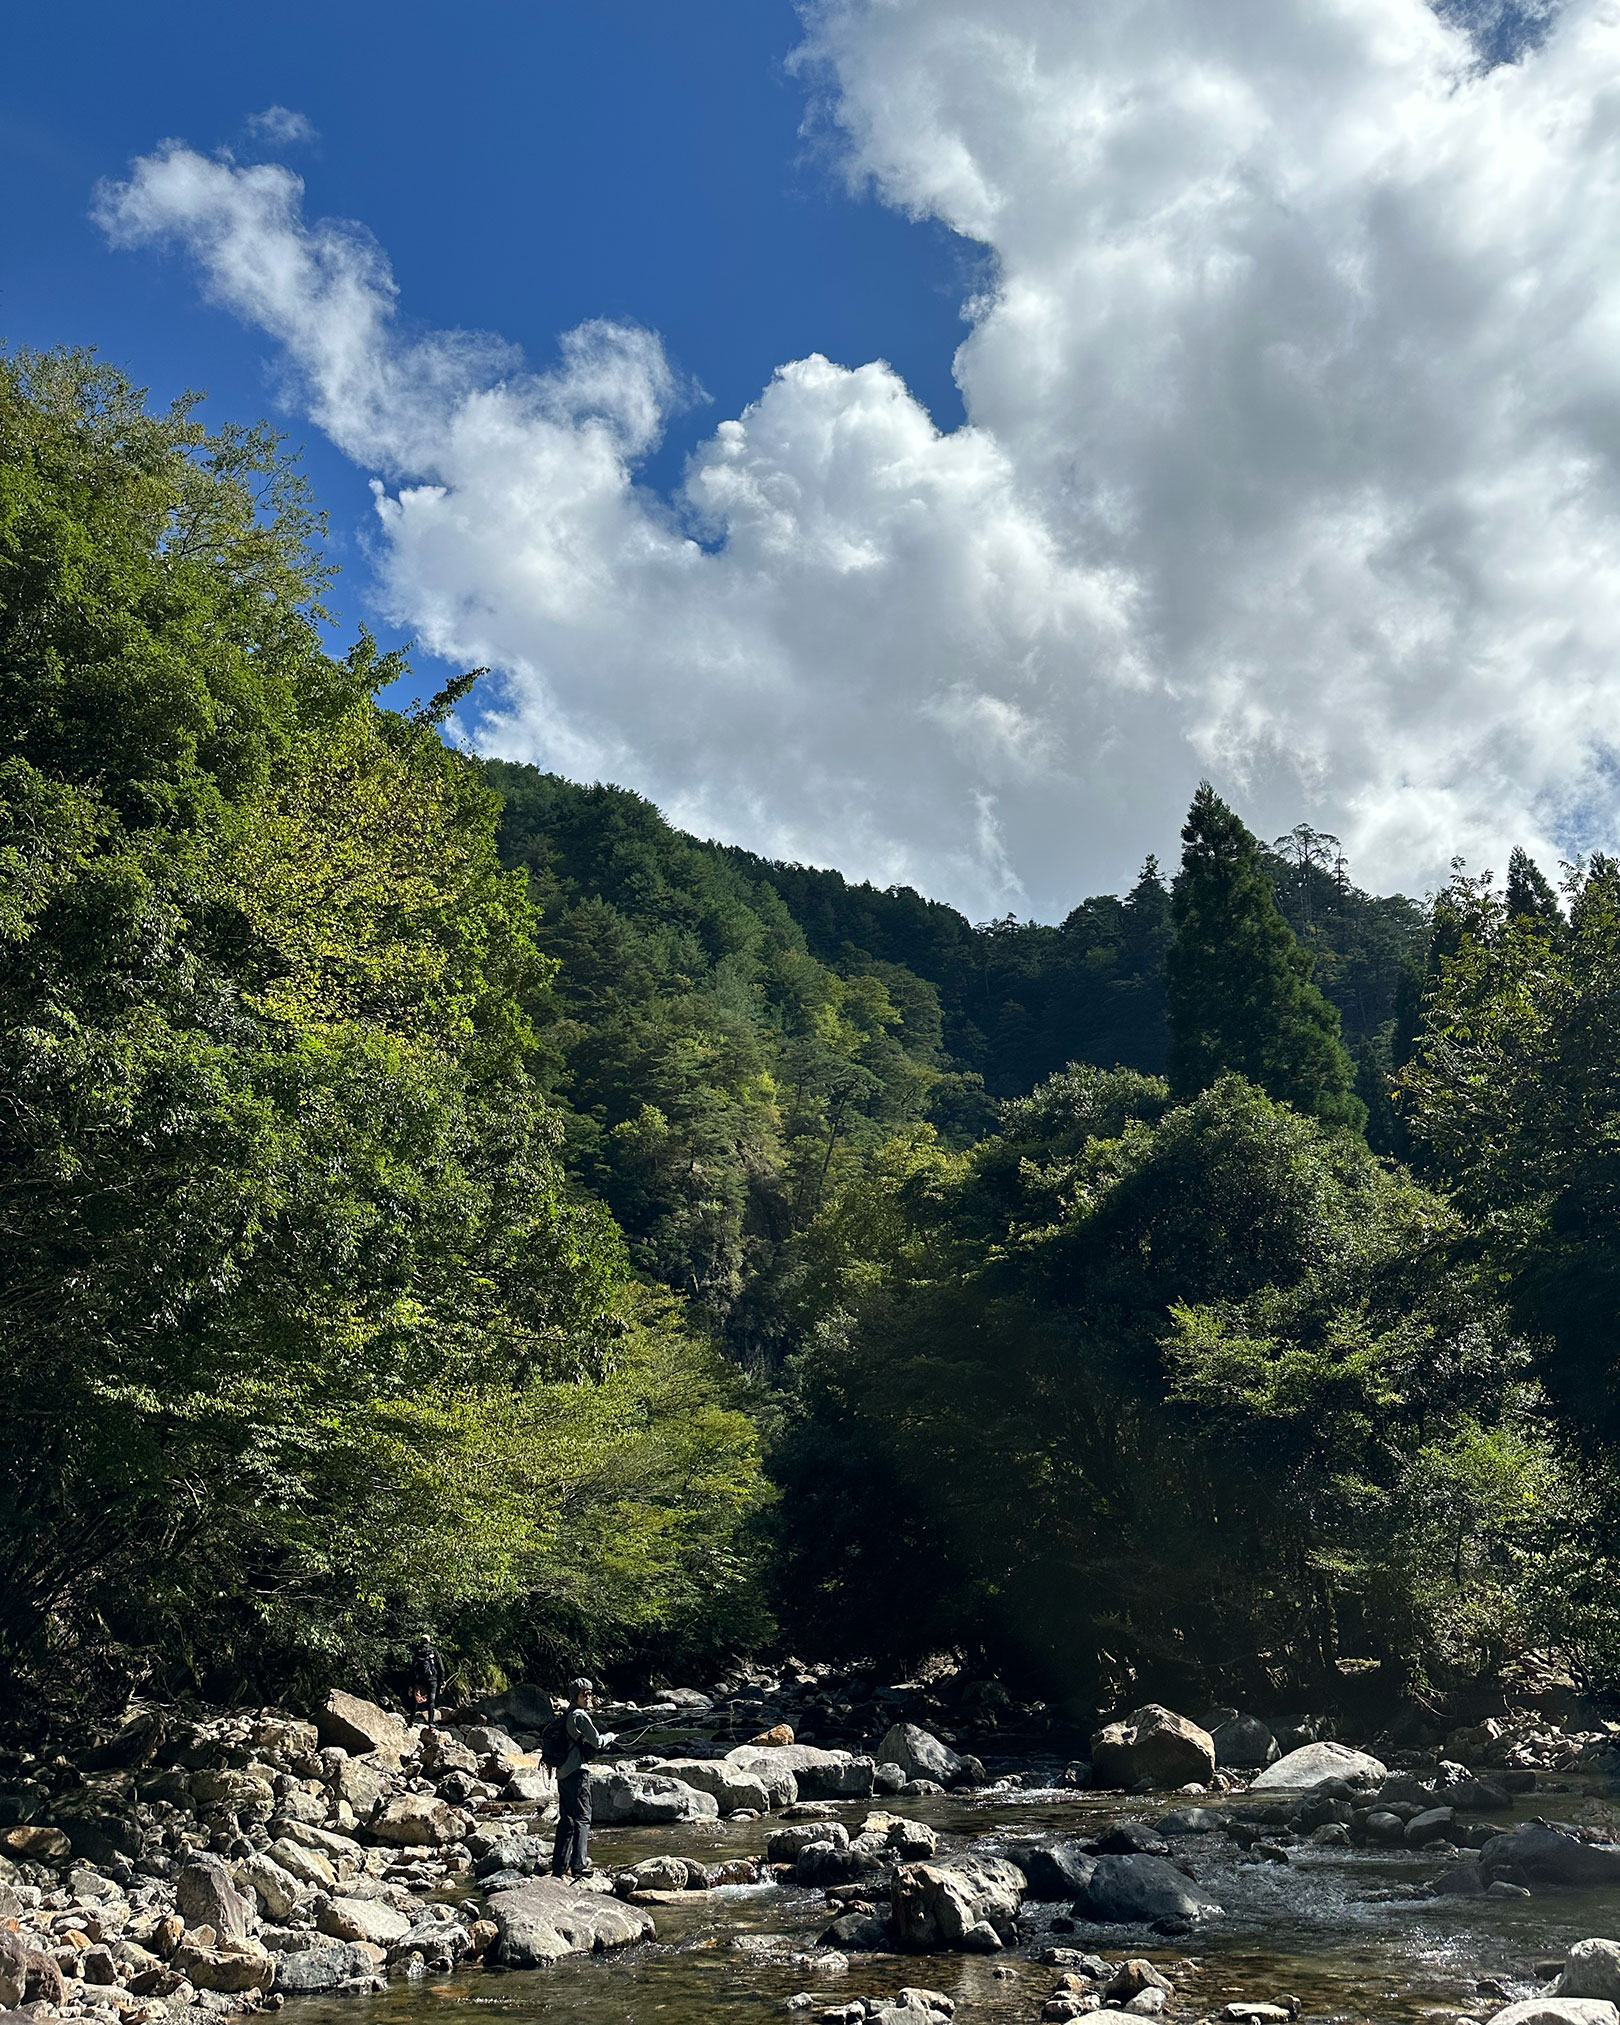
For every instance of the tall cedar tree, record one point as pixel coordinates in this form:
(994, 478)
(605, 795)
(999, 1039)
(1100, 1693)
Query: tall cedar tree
(1239, 985)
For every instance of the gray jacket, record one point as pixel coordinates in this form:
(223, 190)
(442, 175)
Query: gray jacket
(582, 1731)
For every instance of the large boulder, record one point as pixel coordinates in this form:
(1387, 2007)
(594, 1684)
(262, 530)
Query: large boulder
(1591, 1969)
(233, 1966)
(361, 1726)
(1537, 1853)
(13, 1969)
(362, 1919)
(306, 1972)
(1062, 1871)
(942, 1905)
(363, 1782)
(307, 1866)
(543, 1919)
(729, 1785)
(523, 1706)
(413, 1820)
(280, 1893)
(785, 1843)
(621, 1799)
(920, 1755)
(817, 1774)
(1244, 1743)
(205, 1896)
(1312, 1763)
(489, 1740)
(1152, 1743)
(1140, 1889)
(246, 1794)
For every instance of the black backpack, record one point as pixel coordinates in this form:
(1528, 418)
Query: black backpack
(555, 1742)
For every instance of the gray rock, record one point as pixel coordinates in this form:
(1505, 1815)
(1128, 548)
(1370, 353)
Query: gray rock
(1557, 2011)
(206, 1897)
(887, 1778)
(1434, 1824)
(1591, 1969)
(524, 1707)
(361, 1726)
(728, 1785)
(418, 1820)
(785, 1843)
(13, 1969)
(489, 1740)
(1244, 1742)
(310, 1971)
(816, 1774)
(543, 1919)
(1152, 1743)
(1312, 1763)
(362, 1919)
(920, 1755)
(363, 1782)
(622, 1799)
(857, 1932)
(1537, 1853)
(1062, 1871)
(1190, 1821)
(1461, 1881)
(823, 1865)
(279, 1891)
(1127, 1889)
(937, 1905)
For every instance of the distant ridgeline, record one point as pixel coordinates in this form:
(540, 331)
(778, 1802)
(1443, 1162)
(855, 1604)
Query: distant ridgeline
(730, 1030)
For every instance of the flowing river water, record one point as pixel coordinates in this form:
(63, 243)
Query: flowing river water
(1340, 1930)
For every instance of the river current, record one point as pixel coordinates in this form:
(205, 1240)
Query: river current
(1340, 1930)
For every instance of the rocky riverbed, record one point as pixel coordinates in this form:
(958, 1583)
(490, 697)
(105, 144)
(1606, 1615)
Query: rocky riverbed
(233, 1862)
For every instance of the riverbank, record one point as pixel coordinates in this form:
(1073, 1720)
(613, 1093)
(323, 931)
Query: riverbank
(240, 1861)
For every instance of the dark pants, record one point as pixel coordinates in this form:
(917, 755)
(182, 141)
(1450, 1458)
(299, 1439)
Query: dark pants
(425, 1702)
(571, 1851)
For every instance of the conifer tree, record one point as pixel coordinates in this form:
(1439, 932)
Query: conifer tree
(1239, 985)
(1529, 897)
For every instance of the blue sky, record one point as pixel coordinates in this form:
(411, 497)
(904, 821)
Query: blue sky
(526, 166)
(1095, 398)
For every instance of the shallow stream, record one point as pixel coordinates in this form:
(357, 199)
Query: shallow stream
(1334, 1928)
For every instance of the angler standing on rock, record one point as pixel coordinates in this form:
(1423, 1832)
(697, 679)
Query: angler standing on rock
(427, 1681)
(569, 1742)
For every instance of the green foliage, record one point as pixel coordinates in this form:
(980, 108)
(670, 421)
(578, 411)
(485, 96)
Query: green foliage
(1239, 985)
(1514, 1093)
(292, 1274)
(1148, 1394)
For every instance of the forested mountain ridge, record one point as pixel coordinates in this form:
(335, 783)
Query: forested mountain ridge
(437, 1195)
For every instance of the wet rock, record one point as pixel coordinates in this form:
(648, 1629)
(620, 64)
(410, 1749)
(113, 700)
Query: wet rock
(621, 1799)
(1243, 1742)
(1435, 1824)
(728, 1785)
(308, 1972)
(823, 1865)
(206, 1897)
(816, 1774)
(545, 1918)
(1311, 1764)
(1538, 1853)
(1125, 1889)
(1190, 1821)
(1130, 1838)
(1591, 1969)
(1384, 1826)
(361, 1726)
(420, 1820)
(1476, 1796)
(857, 1933)
(1463, 1880)
(920, 1755)
(785, 1843)
(1152, 1743)
(888, 1778)
(1247, 2013)
(1557, 2011)
(936, 1905)
(910, 1841)
(1061, 1871)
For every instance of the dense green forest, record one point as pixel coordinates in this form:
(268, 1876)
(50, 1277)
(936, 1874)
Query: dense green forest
(438, 1194)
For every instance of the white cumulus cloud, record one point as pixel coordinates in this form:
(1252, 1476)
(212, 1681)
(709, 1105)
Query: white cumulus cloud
(1293, 416)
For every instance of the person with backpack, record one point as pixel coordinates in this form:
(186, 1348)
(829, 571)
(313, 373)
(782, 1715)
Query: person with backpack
(427, 1681)
(568, 1743)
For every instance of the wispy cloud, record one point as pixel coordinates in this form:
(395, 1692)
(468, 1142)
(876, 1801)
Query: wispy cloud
(279, 127)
